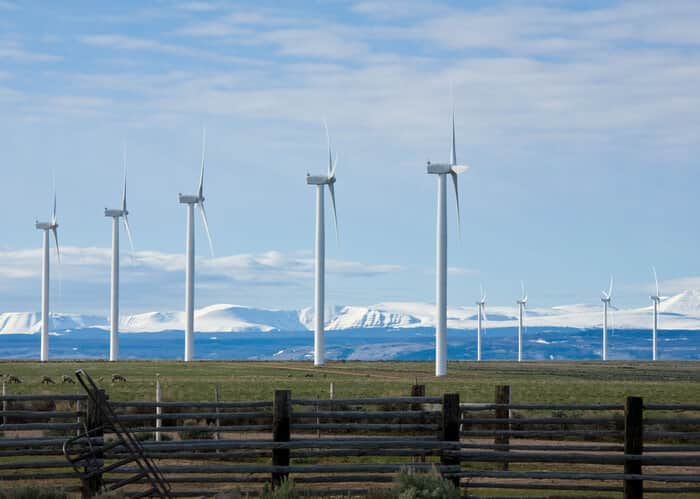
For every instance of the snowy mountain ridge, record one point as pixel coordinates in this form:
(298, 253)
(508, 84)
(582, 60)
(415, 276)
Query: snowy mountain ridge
(681, 311)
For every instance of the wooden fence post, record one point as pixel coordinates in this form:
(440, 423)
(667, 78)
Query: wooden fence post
(159, 409)
(450, 430)
(94, 424)
(217, 435)
(4, 402)
(634, 442)
(417, 391)
(501, 441)
(281, 421)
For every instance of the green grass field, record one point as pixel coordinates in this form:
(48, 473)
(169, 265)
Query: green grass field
(541, 382)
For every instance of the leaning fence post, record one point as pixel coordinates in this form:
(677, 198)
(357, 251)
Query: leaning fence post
(159, 410)
(634, 442)
(450, 431)
(281, 420)
(501, 440)
(95, 431)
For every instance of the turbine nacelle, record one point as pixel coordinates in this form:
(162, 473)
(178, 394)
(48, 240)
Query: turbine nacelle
(114, 213)
(445, 168)
(45, 225)
(320, 180)
(190, 199)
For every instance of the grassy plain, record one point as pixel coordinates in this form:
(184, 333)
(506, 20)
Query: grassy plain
(531, 382)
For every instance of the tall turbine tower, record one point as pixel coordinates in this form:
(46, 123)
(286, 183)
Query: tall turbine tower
(116, 214)
(442, 170)
(481, 314)
(522, 304)
(656, 299)
(606, 297)
(191, 201)
(47, 227)
(320, 257)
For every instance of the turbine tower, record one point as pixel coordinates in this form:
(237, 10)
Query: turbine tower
(481, 314)
(606, 297)
(522, 304)
(191, 201)
(47, 227)
(116, 214)
(442, 170)
(320, 251)
(657, 300)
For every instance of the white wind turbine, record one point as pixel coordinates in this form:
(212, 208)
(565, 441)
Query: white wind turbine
(47, 227)
(657, 300)
(606, 297)
(442, 170)
(115, 215)
(320, 257)
(522, 304)
(481, 314)
(191, 201)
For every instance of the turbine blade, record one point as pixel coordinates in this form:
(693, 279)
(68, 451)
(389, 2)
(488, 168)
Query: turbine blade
(128, 231)
(453, 149)
(206, 226)
(522, 288)
(124, 194)
(331, 189)
(610, 288)
(456, 186)
(53, 213)
(55, 238)
(200, 189)
(335, 165)
(656, 280)
(481, 293)
(330, 153)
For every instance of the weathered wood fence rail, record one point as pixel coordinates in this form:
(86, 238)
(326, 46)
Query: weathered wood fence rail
(346, 445)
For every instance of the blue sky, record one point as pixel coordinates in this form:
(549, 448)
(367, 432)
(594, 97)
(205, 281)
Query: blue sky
(580, 125)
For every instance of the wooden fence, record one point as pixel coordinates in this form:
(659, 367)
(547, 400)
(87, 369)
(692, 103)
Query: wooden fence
(341, 446)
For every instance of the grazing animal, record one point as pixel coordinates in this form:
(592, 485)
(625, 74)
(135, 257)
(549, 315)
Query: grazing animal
(67, 379)
(13, 379)
(118, 378)
(45, 380)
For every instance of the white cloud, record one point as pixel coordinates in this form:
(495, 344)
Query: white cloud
(150, 273)
(13, 51)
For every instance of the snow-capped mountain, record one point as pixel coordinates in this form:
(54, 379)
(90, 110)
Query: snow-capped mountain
(681, 311)
(30, 322)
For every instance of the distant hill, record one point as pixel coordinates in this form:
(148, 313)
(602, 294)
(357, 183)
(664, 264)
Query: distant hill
(681, 311)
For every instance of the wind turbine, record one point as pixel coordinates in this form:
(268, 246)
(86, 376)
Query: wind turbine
(481, 314)
(522, 304)
(656, 299)
(606, 297)
(442, 170)
(116, 214)
(320, 258)
(191, 200)
(47, 227)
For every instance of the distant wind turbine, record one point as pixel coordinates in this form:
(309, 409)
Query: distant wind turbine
(191, 201)
(47, 227)
(481, 314)
(606, 297)
(522, 305)
(657, 300)
(320, 258)
(116, 214)
(442, 170)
